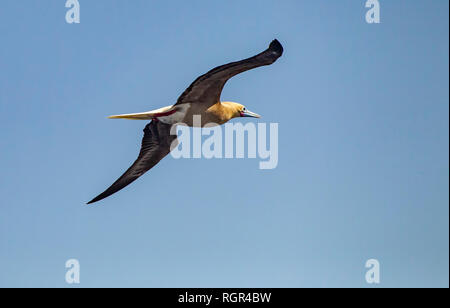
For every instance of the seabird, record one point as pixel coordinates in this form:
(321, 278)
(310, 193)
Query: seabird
(201, 98)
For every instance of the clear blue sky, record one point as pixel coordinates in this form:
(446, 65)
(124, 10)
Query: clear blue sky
(363, 113)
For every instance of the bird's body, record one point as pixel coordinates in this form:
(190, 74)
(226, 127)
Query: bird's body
(219, 113)
(198, 106)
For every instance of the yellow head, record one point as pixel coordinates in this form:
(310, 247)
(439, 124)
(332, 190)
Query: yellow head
(238, 110)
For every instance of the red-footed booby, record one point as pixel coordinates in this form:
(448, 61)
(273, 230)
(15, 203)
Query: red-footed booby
(201, 98)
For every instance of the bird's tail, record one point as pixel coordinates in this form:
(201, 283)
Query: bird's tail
(134, 116)
(149, 115)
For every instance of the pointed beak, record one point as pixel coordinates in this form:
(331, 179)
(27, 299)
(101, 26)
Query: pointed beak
(249, 114)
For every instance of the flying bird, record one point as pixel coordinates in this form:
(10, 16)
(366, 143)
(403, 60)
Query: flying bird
(201, 98)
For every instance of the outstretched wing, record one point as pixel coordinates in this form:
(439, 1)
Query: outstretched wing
(207, 88)
(155, 146)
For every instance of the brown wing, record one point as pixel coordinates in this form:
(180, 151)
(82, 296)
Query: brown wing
(155, 146)
(207, 88)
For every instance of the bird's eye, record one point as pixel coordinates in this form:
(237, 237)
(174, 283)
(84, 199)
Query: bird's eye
(243, 109)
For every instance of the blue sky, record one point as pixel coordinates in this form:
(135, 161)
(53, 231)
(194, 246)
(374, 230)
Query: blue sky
(363, 145)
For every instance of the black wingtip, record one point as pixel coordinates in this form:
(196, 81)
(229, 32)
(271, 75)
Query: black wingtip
(96, 199)
(276, 47)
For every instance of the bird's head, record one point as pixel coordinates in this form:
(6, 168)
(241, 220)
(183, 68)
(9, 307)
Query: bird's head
(240, 110)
